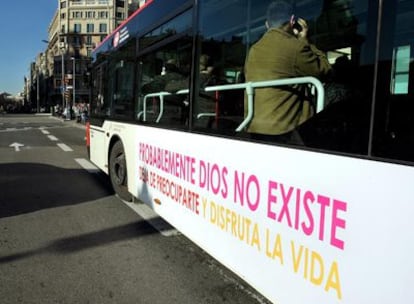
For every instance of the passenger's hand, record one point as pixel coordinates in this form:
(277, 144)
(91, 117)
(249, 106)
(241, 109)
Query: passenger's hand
(303, 34)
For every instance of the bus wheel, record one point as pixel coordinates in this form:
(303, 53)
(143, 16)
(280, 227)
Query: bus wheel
(118, 172)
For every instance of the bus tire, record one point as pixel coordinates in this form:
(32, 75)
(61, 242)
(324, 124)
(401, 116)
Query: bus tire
(118, 172)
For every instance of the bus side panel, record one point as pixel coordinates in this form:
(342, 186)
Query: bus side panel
(299, 226)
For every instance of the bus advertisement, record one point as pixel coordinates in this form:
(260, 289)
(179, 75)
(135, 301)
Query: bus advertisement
(320, 216)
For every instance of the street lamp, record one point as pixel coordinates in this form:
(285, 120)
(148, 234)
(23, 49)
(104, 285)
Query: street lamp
(44, 79)
(67, 104)
(73, 78)
(37, 90)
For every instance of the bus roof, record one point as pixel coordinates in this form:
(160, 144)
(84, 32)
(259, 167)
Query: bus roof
(118, 29)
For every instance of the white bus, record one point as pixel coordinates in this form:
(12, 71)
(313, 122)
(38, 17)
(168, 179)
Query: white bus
(326, 221)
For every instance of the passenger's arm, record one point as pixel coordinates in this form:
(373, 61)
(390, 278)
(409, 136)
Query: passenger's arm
(310, 61)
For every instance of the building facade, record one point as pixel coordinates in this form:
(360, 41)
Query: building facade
(77, 27)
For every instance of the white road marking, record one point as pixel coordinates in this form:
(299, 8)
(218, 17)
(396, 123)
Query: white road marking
(87, 165)
(16, 146)
(45, 131)
(65, 147)
(53, 138)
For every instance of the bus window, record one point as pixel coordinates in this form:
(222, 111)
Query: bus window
(341, 29)
(164, 73)
(394, 132)
(338, 28)
(222, 55)
(164, 85)
(121, 81)
(100, 102)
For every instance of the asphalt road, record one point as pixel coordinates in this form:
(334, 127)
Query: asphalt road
(65, 237)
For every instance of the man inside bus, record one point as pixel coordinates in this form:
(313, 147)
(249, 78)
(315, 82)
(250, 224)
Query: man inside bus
(283, 52)
(175, 106)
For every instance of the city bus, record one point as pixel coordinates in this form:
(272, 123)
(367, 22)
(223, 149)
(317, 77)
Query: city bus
(324, 220)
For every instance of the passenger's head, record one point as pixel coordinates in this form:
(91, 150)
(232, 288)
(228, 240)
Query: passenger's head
(204, 62)
(171, 65)
(279, 12)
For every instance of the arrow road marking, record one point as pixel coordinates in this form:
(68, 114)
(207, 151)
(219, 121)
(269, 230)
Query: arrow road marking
(16, 146)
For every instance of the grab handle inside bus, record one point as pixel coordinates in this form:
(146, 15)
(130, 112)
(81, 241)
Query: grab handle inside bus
(250, 88)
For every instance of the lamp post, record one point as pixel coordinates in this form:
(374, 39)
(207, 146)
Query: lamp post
(37, 91)
(73, 79)
(66, 104)
(45, 77)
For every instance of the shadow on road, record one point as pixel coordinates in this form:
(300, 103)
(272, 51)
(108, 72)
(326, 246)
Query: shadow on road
(29, 187)
(89, 240)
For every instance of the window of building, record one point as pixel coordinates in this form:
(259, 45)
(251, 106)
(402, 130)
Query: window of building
(63, 4)
(90, 28)
(76, 40)
(90, 14)
(77, 15)
(63, 16)
(400, 69)
(103, 28)
(103, 15)
(77, 28)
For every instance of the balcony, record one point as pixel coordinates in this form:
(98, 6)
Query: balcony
(90, 2)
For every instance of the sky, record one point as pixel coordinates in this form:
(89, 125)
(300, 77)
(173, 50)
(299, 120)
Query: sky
(23, 26)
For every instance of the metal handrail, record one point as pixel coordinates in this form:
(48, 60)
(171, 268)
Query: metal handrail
(250, 88)
(160, 95)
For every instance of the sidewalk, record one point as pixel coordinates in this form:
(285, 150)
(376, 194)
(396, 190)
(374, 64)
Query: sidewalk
(72, 122)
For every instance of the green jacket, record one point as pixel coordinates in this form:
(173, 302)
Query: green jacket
(279, 55)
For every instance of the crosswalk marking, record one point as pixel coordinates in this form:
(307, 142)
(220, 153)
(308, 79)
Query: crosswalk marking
(53, 138)
(87, 165)
(64, 147)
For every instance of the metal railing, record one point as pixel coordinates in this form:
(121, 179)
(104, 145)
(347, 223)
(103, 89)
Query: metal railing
(161, 96)
(250, 89)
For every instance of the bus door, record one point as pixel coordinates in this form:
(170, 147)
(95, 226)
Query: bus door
(100, 106)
